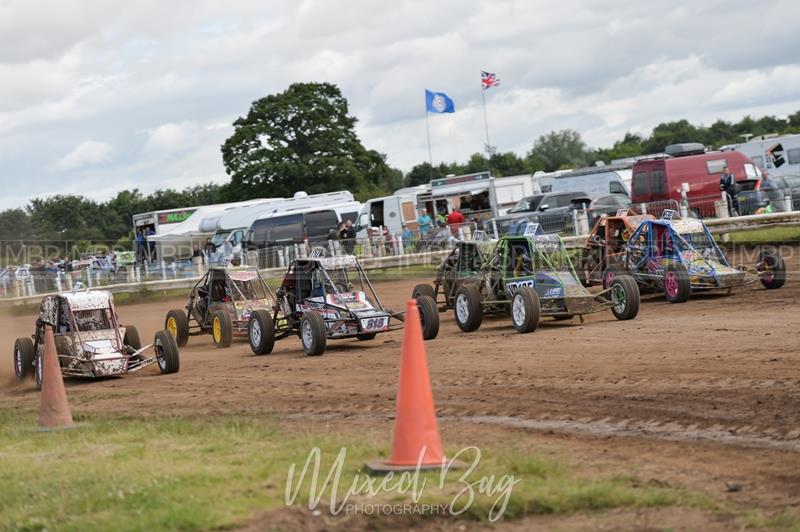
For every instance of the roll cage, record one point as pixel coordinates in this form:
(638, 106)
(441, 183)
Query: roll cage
(223, 285)
(311, 278)
(657, 240)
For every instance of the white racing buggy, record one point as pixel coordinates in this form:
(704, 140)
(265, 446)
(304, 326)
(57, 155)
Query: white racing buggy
(329, 297)
(89, 340)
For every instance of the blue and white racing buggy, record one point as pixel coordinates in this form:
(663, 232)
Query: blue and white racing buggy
(678, 255)
(324, 298)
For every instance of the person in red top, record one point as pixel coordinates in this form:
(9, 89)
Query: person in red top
(454, 220)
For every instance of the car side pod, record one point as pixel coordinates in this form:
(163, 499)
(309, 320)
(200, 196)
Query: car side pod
(54, 411)
(416, 444)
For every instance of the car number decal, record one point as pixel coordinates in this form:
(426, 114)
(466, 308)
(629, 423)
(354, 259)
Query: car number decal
(375, 324)
(513, 286)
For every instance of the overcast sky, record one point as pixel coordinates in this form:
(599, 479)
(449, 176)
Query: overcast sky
(98, 96)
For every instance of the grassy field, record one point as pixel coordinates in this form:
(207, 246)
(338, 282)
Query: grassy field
(183, 473)
(776, 235)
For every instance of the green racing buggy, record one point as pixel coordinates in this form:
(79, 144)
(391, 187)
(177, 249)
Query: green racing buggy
(526, 276)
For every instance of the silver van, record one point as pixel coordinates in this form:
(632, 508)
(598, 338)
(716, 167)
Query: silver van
(594, 181)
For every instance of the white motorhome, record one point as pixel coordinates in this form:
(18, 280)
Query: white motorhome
(778, 155)
(232, 226)
(222, 225)
(478, 196)
(158, 222)
(174, 232)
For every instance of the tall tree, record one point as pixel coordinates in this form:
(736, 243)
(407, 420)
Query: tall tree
(629, 146)
(508, 164)
(674, 133)
(423, 173)
(66, 218)
(300, 139)
(560, 149)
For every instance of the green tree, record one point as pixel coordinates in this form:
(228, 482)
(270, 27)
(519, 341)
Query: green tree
(508, 164)
(300, 139)
(674, 133)
(66, 218)
(793, 123)
(629, 146)
(499, 164)
(15, 224)
(119, 212)
(559, 149)
(423, 173)
(205, 194)
(476, 163)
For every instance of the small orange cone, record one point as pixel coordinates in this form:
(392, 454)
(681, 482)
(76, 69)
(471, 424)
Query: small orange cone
(416, 434)
(54, 411)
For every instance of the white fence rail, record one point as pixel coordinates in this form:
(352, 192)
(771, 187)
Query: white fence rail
(428, 258)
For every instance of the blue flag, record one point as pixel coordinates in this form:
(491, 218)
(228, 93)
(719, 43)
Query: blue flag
(438, 102)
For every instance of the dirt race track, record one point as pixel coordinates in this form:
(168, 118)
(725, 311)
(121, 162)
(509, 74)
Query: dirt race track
(697, 394)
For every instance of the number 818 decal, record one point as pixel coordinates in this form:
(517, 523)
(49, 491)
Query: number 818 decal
(375, 324)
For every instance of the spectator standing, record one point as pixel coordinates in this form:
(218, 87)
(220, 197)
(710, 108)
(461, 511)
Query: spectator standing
(140, 246)
(227, 249)
(455, 219)
(351, 230)
(727, 184)
(197, 257)
(425, 223)
(151, 245)
(348, 237)
(441, 219)
(408, 238)
(209, 250)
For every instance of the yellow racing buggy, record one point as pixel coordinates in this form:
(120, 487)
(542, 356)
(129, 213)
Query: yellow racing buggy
(221, 304)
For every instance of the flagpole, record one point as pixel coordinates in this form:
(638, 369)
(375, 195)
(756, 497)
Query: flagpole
(486, 122)
(428, 130)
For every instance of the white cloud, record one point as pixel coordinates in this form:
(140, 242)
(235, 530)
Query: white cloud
(87, 153)
(173, 137)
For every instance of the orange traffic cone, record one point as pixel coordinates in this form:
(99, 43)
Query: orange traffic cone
(416, 440)
(54, 411)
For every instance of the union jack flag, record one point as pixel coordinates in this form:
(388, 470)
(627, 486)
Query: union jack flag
(489, 80)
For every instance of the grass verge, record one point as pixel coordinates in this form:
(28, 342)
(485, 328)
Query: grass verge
(183, 473)
(775, 235)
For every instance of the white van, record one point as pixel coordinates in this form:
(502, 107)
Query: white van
(391, 212)
(593, 181)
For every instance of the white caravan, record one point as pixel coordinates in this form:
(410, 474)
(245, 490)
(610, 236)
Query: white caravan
(477, 196)
(778, 155)
(176, 231)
